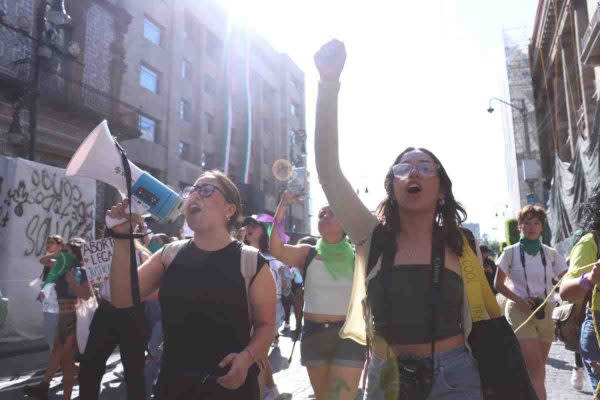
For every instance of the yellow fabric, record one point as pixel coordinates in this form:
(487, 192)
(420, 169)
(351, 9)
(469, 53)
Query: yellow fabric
(482, 301)
(582, 255)
(479, 298)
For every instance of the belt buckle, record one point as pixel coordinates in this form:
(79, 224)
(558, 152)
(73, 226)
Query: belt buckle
(326, 325)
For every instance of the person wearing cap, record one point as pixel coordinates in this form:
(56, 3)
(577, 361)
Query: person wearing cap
(70, 282)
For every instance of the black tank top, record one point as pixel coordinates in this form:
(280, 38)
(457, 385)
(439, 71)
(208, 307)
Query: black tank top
(204, 312)
(399, 298)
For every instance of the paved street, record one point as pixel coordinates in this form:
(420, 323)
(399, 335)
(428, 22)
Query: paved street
(291, 378)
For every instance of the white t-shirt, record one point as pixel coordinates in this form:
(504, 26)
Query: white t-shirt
(276, 265)
(555, 265)
(50, 302)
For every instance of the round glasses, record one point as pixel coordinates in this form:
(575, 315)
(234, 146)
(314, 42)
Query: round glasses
(203, 191)
(424, 168)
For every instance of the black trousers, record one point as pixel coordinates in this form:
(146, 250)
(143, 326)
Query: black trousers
(287, 302)
(111, 327)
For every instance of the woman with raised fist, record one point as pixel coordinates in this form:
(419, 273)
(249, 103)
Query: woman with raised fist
(407, 270)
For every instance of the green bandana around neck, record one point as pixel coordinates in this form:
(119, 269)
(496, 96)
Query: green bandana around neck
(531, 247)
(338, 258)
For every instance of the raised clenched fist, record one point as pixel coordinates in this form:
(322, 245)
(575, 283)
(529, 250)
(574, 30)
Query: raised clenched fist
(330, 60)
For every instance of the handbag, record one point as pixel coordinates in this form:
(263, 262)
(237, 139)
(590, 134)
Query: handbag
(84, 310)
(494, 344)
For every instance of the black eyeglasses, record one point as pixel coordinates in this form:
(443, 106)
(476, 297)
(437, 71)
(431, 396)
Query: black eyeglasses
(424, 168)
(204, 191)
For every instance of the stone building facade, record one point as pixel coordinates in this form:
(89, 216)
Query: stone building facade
(155, 70)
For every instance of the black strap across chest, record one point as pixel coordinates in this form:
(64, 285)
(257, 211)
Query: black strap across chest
(438, 250)
(543, 256)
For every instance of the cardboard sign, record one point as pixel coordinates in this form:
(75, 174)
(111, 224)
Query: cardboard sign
(97, 257)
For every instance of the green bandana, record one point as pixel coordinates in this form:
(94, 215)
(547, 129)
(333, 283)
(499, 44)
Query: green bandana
(338, 258)
(531, 247)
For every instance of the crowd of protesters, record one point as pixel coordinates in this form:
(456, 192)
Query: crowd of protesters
(382, 295)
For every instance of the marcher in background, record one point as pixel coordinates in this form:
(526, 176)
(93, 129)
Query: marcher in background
(334, 364)
(112, 327)
(70, 285)
(489, 266)
(298, 287)
(256, 235)
(577, 286)
(524, 277)
(217, 311)
(287, 297)
(54, 245)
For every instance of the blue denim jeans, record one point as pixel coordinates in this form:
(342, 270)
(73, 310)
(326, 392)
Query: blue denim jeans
(50, 326)
(455, 377)
(589, 347)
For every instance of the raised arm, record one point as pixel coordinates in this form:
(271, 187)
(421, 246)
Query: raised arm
(356, 218)
(149, 274)
(287, 254)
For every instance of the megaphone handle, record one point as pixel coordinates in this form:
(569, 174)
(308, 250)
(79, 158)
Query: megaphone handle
(112, 222)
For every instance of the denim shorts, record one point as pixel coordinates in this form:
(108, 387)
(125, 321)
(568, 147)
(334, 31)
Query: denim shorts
(455, 377)
(322, 345)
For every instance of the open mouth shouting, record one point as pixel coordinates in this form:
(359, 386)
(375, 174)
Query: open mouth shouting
(413, 188)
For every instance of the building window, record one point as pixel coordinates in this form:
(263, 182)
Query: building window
(184, 150)
(211, 161)
(210, 85)
(184, 110)
(188, 27)
(147, 126)
(295, 83)
(152, 31)
(149, 79)
(186, 70)
(293, 109)
(213, 46)
(209, 122)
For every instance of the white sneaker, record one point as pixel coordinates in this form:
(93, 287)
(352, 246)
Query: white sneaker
(271, 393)
(577, 378)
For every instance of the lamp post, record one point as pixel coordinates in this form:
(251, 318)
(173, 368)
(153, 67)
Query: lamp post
(531, 197)
(51, 23)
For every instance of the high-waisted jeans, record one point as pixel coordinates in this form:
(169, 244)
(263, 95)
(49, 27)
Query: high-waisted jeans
(455, 377)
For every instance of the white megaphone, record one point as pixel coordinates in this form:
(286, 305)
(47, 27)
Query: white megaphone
(99, 158)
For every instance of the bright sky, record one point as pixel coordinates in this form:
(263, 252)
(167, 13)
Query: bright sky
(418, 73)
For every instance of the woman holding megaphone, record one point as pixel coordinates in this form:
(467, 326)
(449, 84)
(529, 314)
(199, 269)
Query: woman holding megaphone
(217, 297)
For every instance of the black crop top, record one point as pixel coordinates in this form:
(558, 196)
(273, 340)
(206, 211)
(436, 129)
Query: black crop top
(399, 298)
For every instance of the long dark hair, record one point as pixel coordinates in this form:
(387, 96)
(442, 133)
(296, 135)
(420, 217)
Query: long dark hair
(449, 215)
(590, 220)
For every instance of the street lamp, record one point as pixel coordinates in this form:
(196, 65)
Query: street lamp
(528, 164)
(15, 134)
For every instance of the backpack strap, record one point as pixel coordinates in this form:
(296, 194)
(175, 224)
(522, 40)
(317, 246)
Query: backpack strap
(170, 251)
(509, 255)
(312, 253)
(248, 266)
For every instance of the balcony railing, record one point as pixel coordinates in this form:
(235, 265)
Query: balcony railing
(60, 91)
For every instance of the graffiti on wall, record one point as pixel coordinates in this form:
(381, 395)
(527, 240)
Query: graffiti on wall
(46, 203)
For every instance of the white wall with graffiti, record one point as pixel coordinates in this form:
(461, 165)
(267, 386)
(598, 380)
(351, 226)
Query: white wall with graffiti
(36, 200)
